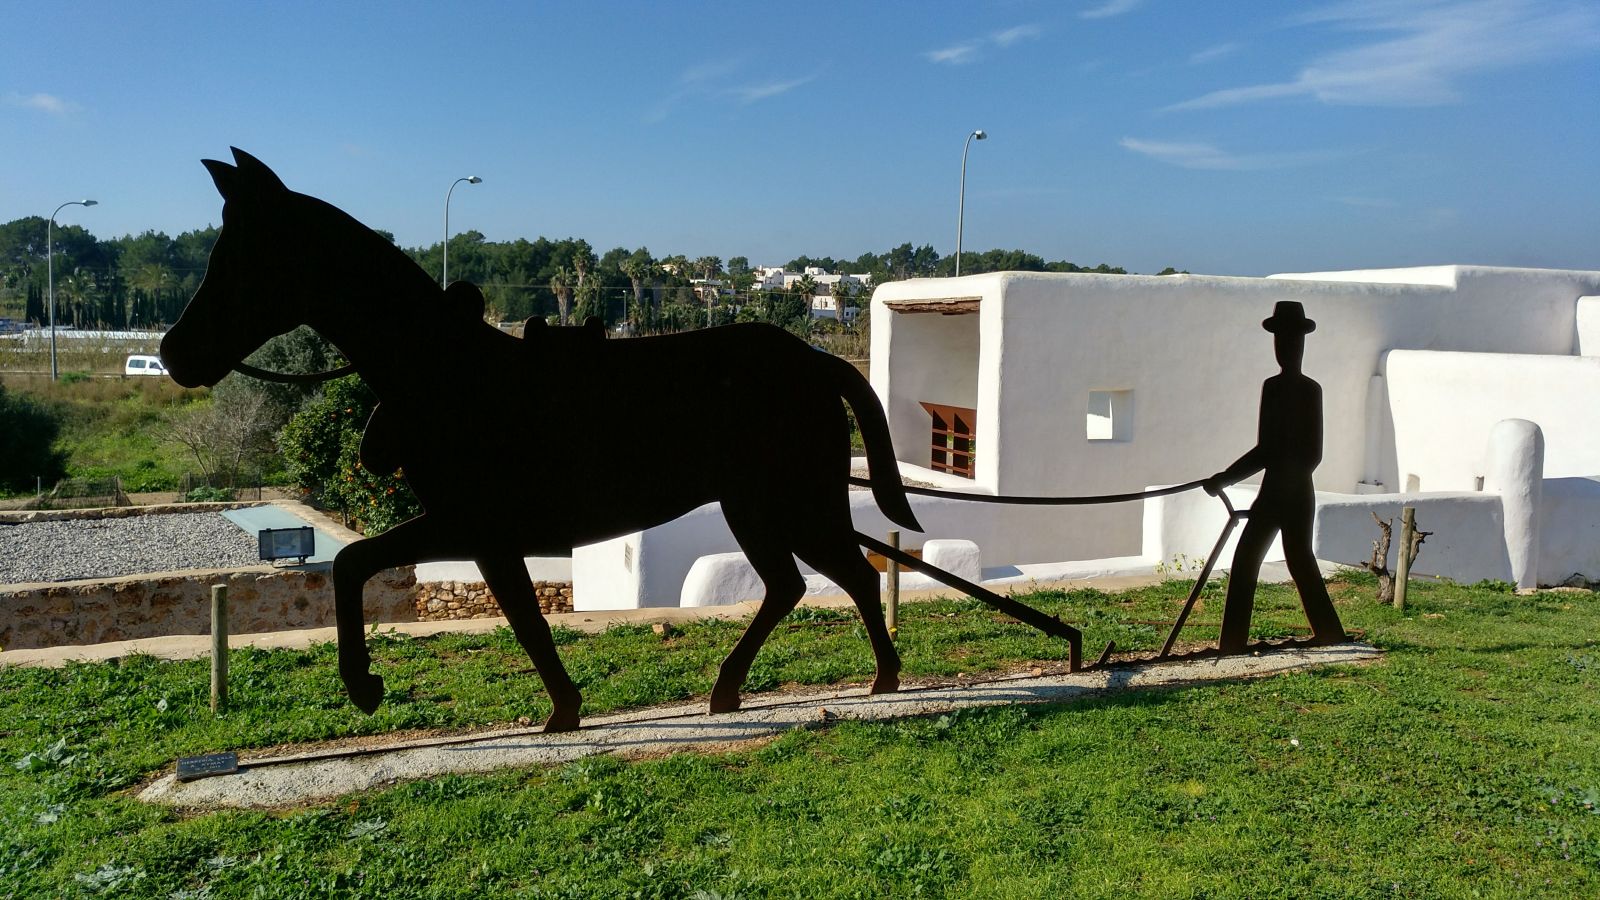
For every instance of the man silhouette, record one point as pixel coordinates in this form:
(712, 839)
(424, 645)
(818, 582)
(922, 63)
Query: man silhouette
(1288, 447)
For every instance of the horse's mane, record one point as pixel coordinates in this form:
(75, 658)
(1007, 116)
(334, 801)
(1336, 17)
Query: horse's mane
(356, 241)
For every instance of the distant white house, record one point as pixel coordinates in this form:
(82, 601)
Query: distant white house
(825, 301)
(827, 307)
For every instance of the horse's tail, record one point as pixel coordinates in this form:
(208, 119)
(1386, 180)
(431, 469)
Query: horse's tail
(887, 489)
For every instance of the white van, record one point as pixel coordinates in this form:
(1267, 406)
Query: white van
(139, 364)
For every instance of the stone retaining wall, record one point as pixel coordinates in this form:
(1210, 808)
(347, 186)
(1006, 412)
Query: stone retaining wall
(17, 517)
(472, 600)
(259, 600)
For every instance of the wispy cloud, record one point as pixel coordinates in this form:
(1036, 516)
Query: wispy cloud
(1432, 44)
(958, 55)
(1110, 8)
(752, 92)
(1213, 53)
(1011, 35)
(712, 80)
(1202, 155)
(710, 71)
(972, 51)
(45, 103)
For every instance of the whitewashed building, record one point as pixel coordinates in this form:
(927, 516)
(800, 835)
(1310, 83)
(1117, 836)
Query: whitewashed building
(1073, 384)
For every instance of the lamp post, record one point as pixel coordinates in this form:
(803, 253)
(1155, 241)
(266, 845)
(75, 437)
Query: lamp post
(961, 207)
(50, 264)
(444, 274)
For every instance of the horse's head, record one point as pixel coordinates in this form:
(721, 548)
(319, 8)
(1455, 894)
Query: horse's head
(249, 293)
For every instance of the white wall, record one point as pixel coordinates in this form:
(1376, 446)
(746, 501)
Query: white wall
(1569, 530)
(1468, 542)
(1445, 404)
(929, 357)
(540, 568)
(1588, 316)
(647, 568)
(1005, 535)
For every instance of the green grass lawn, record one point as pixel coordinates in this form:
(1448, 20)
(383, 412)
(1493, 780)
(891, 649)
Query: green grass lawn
(1465, 763)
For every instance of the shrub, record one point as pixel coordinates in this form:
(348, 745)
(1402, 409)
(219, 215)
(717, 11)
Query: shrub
(28, 431)
(208, 494)
(321, 448)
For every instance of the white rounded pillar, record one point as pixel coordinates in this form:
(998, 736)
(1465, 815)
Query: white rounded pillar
(1516, 473)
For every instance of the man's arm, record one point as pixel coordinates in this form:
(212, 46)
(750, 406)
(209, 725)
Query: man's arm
(1243, 467)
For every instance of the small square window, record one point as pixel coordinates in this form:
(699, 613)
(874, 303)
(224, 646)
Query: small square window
(1110, 416)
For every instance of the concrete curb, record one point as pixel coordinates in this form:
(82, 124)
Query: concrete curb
(306, 778)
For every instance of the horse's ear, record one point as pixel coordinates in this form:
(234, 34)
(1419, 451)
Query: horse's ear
(225, 176)
(257, 170)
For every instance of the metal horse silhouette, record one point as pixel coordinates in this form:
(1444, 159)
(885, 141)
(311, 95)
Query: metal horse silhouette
(553, 443)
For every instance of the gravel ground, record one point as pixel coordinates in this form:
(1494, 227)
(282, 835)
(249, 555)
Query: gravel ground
(107, 548)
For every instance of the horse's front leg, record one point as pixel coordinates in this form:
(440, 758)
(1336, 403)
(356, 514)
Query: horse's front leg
(401, 545)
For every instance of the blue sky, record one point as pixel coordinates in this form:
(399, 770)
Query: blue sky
(1226, 138)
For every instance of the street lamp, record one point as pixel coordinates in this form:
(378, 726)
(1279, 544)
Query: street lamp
(50, 263)
(444, 275)
(961, 208)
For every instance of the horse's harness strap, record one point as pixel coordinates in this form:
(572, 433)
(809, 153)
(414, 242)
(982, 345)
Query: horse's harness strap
(293, 378)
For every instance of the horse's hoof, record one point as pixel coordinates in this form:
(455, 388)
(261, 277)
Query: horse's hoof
(885, 684)
(562, 720)
(722, 703)
(365, 691)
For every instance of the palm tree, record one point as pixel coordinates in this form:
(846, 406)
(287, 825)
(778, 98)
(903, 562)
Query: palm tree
(590, 301)
(561, 286)
(583, 259)
(149, 280)
(677, 264)
(806, 287)
(638, 267)
(709, 266)
(75, 295)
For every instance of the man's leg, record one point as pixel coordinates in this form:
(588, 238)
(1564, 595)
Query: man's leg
(1324, 620)
(1242, 578)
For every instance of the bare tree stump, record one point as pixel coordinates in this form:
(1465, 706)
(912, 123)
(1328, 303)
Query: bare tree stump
(1379, 564)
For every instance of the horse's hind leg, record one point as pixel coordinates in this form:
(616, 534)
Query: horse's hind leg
(770, 556)
(513, 590)
(842, 561)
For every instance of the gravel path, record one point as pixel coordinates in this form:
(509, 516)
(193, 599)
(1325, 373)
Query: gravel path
(107, 548)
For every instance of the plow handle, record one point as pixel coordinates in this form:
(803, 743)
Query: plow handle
(1205, 573)
(1021, 612)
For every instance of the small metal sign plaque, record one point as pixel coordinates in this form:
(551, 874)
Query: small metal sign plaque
(192, 767)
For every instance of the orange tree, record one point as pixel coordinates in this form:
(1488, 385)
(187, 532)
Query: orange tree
(321, 448)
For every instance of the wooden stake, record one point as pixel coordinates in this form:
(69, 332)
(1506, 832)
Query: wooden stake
(219, 647)
(1402, 566)
(893, 569)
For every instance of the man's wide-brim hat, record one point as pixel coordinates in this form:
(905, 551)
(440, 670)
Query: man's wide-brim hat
(1289, 316)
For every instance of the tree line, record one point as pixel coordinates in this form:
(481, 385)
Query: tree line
(144, 280)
